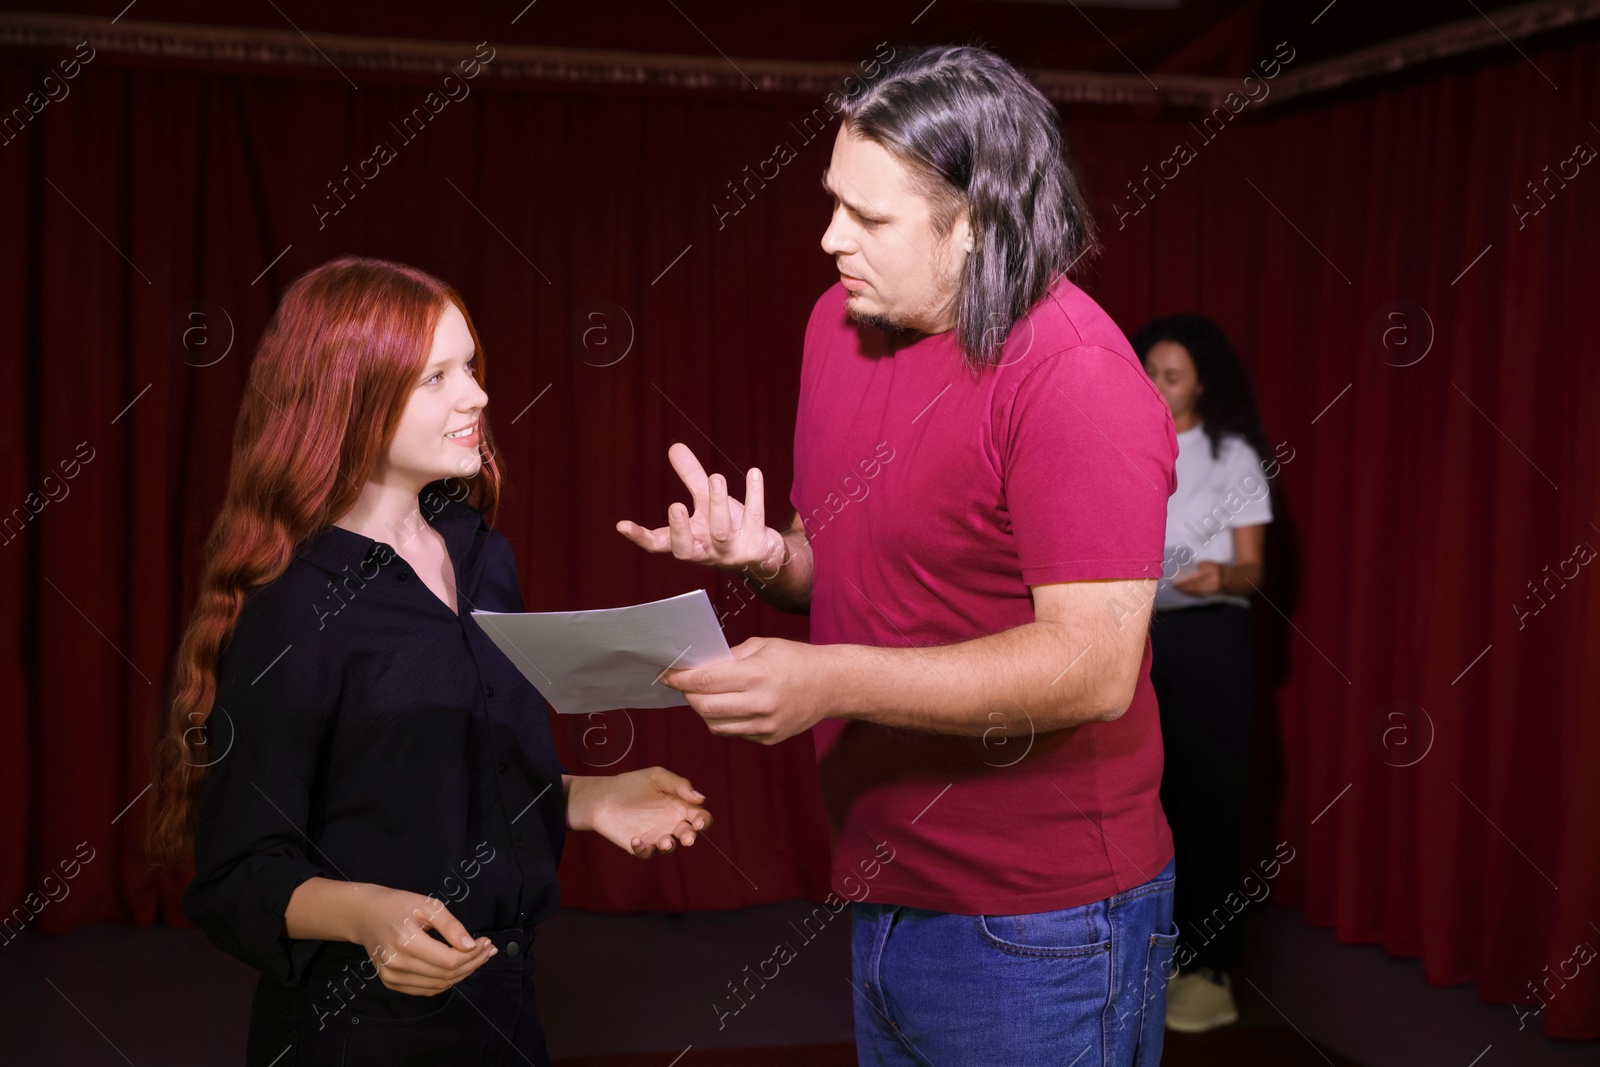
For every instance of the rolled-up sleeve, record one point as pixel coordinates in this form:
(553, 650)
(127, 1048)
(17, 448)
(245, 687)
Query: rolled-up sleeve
(274, 699)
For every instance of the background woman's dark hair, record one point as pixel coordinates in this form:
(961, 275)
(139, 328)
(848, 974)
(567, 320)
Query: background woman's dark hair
(1228, 405)
(979, 137)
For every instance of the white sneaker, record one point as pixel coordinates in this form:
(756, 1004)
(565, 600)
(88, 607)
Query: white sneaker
(1200, 1000)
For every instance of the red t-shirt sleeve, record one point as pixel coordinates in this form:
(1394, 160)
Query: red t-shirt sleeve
(1086, 448)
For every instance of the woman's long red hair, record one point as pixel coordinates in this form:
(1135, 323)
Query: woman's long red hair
(328, 384)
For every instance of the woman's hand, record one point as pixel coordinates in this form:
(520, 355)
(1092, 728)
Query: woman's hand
(720, 532)
(640, 811)
(393, 925)
(1207, 580)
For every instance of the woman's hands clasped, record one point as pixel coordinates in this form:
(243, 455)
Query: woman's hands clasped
(640, 811)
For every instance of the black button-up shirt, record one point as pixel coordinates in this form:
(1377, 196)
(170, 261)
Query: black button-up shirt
(361, 730)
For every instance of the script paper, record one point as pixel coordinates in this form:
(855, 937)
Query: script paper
(588, 661)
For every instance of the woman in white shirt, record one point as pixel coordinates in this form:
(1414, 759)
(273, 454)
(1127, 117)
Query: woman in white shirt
(1203, 667)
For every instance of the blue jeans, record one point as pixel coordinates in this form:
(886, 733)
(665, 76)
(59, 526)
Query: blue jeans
(1079, 987)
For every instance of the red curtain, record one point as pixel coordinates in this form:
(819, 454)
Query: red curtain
(623, 304)
(617, 317)
(1412, 317)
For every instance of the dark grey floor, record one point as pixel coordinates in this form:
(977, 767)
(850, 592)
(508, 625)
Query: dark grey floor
(1380, 1012)
(640, 983)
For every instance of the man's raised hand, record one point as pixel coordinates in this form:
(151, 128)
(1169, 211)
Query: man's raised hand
(720, 532)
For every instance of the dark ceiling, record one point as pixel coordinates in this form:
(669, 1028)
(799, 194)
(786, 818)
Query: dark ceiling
(1203, 37)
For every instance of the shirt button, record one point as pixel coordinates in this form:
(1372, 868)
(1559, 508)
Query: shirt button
(489, 692)
(513, 950)
(502, 767)
(403, 575)
(519, 842)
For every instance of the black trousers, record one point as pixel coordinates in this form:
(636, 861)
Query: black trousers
(343, 1014)
(1203, 670)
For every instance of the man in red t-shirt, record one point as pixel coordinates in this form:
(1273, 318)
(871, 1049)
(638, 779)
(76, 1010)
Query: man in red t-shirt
(982, 469)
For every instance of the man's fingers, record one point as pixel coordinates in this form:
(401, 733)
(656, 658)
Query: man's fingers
(718, 521)
(725, 677)
(750, 727)
(679, 536)
(656, 540)
(689, 469)
(722, 707)
(755, 508)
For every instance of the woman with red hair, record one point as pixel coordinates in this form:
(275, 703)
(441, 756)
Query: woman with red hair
(370, 787)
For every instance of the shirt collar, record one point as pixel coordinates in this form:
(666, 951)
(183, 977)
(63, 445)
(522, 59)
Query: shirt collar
(336, 549)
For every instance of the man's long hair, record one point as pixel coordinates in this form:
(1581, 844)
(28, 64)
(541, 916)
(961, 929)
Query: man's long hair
(979, 137)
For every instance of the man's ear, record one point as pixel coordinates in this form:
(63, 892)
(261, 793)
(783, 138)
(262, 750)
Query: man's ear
(961, 232)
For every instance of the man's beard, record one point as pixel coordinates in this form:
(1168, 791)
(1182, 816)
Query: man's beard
(876, 322)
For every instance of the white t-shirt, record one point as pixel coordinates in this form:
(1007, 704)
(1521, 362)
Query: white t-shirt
(1213, 496)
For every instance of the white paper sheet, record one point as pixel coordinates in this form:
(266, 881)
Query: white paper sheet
(588, 661)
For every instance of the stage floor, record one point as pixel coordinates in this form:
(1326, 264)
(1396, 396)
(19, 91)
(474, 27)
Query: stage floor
(619, 991)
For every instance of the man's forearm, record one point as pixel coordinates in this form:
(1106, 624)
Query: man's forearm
(1037, 677)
